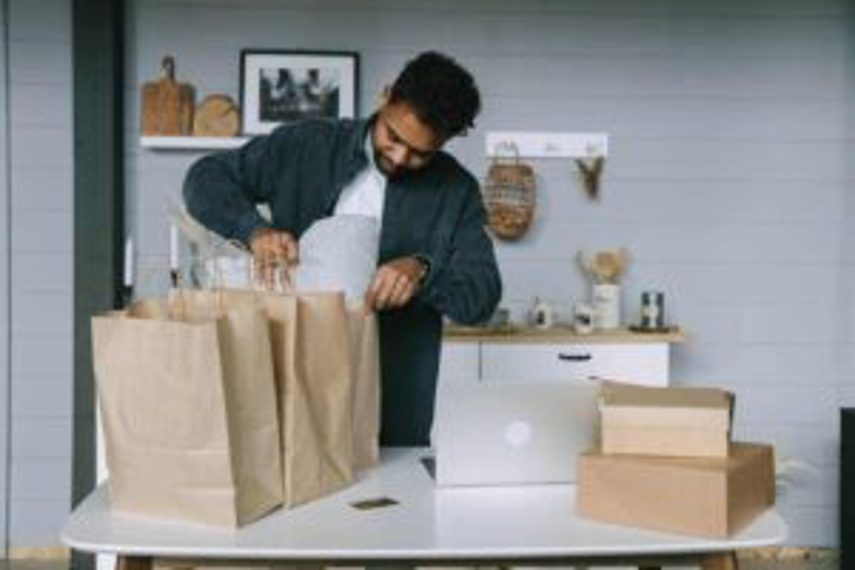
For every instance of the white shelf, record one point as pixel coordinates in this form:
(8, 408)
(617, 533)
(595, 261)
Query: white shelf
(191, 143)
(534, 144)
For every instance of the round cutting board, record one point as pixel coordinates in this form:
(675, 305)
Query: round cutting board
(216, 116)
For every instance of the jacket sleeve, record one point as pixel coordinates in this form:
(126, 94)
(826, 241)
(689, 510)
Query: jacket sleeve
(463, 281)
(221, 190)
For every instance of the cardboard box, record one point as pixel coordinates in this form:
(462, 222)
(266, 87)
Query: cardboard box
(671, 422)
(711, 497)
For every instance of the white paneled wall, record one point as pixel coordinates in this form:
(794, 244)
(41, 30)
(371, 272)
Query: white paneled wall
(728, 176)
(41, 174)
(5, 273)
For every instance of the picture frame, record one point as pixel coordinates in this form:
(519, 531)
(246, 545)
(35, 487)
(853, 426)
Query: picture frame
(285, 86)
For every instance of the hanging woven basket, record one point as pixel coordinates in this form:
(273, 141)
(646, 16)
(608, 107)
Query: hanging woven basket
(509, 195)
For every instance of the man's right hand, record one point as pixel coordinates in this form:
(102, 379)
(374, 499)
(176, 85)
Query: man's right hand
(273, 251)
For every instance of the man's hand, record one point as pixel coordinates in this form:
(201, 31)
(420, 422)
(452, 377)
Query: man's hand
(272, 251)
(395, 283)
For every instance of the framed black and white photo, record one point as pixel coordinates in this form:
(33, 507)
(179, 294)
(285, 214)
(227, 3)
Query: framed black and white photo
(278, 86)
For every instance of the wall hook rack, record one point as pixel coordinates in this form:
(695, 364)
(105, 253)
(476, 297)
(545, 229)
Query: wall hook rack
(588, 150)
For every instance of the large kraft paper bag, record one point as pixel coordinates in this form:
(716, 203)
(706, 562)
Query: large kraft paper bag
(188, 404)
(327, 375)
(317, 394)
(365, 350)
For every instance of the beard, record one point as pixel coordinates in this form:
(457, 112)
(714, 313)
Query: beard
(386, 167)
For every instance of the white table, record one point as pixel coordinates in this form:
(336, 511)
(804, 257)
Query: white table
(531, 524)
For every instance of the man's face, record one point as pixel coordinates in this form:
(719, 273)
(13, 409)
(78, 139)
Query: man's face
(402, 142)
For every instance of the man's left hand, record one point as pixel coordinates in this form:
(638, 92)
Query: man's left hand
(394, 284)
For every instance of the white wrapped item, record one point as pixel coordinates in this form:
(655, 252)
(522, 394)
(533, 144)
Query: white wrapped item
(229, 271)
(339, 254)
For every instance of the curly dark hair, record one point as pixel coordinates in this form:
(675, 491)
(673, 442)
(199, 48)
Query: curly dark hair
(442, 94)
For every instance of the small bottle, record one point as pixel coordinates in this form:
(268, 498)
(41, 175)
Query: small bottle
(583, 318)
(541, 314)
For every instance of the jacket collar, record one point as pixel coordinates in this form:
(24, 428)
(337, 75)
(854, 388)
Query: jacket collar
(356, 144)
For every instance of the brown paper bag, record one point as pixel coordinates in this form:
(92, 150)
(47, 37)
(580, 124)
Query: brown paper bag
(189, 415)
(316, 396)
(317, 376)
(365, 351)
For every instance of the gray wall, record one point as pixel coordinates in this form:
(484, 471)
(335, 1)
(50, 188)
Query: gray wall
(5, 258)
(39, 155)
(727, 175)
(846, 324)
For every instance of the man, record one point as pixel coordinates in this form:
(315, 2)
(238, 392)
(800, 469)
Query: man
(435, 257)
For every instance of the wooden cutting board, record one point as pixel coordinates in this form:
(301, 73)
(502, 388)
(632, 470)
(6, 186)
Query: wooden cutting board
(216, 116)
(167, 106)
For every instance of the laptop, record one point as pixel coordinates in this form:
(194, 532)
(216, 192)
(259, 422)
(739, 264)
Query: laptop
(503, 434)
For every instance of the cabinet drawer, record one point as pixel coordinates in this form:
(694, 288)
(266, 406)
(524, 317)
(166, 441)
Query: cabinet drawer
(459, 362)
(637, 363)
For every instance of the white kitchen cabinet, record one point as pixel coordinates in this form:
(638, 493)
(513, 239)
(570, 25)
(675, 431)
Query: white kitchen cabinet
(639, 363)
(556, 355)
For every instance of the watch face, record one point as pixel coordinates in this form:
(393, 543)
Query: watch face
(216, 116)
(425, 266)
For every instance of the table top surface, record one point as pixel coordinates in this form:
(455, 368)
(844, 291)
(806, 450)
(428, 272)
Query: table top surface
(472, 523)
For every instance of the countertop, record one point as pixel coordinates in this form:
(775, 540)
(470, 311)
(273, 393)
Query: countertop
(558, 334)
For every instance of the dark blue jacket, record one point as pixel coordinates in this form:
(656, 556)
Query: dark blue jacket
(300, 171)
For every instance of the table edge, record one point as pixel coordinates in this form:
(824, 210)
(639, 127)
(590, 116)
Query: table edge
(417, 554)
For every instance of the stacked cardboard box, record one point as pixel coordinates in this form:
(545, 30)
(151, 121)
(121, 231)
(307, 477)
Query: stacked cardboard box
(666, 462)
(668, 422)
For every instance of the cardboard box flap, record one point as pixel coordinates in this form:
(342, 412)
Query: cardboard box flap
(741, 453)
(620, 394)
(628, 405)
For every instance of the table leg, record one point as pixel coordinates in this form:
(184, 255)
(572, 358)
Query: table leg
(720, 561)
(133, 563)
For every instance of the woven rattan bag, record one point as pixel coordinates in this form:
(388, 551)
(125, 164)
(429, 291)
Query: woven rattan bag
(509, 195)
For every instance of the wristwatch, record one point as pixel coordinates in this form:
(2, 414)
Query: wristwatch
(425, 263)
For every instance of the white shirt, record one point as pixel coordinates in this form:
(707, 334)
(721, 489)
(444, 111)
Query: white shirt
(366, 192)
